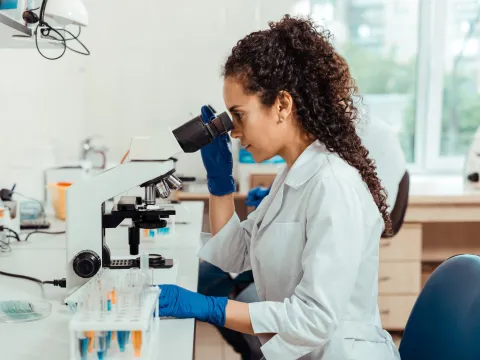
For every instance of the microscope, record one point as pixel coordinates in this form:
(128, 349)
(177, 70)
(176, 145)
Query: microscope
(151, 167)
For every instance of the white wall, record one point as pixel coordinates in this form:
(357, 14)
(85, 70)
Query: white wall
(151, 66)
(154, 68)
(41, 116)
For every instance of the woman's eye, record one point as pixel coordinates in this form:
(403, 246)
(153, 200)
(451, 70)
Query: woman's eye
(238, 116)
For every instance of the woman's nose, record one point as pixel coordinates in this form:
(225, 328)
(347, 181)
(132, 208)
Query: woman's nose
(235, 133)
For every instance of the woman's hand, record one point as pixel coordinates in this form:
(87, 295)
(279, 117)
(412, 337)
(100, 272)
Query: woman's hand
(256, 195)
(181, 303)
(218, 161)
(184, 304)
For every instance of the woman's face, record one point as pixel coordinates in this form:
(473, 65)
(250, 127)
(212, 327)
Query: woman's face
(258, 127)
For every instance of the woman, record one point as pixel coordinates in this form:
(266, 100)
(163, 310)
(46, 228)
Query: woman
(312, 244)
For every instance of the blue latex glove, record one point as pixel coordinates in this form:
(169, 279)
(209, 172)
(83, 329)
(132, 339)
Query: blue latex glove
(256, 195)
(218, 161)
(184, 304)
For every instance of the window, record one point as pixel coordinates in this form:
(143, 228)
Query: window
(461, 75)
(395, 50)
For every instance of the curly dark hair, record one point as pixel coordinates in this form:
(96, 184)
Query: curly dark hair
(296, 56)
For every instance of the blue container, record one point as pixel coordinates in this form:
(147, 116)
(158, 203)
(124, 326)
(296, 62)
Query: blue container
(30, 210)
(8, 4)
(245, 157)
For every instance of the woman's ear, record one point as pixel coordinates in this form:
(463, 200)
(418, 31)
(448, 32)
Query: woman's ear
(284, 105)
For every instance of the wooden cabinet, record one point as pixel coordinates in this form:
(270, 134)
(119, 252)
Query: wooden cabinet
(399, 278)
(261, 180)
(406, 245)
(395, 310)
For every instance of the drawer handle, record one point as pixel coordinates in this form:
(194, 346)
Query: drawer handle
(384, 278)
(385, 312)
(385, 243)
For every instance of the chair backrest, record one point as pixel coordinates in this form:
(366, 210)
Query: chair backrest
(445, 321)
(401, 203)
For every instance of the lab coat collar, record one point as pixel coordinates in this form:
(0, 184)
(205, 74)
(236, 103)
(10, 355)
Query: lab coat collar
(302, 170)
(271, 204)
(306, 165)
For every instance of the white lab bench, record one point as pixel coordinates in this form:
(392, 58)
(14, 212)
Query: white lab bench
(43, 257)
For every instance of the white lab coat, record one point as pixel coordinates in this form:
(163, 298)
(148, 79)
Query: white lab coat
(313, 246)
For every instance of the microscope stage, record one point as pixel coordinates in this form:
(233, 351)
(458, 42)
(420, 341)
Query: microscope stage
(160, 275)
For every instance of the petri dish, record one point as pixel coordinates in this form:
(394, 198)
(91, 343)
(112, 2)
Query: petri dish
(14, 311)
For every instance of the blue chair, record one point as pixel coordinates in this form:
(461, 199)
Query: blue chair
(445, 321)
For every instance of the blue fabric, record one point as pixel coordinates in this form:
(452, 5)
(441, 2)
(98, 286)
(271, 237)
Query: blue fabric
(445, 321)
(213, 281)
(256, 195)
(218, 161)
(182, 303)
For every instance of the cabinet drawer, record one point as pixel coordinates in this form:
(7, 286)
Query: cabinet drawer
(406, 245)
(395, 310)
(261, 180)
(399, 277)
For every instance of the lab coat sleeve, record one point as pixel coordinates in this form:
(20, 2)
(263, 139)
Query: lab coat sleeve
(229, 249)
(335, 229)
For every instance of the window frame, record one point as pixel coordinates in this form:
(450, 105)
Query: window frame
(437, 12)
(431, 46)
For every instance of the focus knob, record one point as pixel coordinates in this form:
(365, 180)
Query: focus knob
(86, 263)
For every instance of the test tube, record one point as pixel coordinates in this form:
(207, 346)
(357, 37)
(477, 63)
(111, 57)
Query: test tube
(122, 340)
(137, 343)
(104, 301)
(98, 283)
(130, 279)
(144, 261)
(109, 339)
(114, 296)
(109, 300)
(83, 346)
(101, 344)
(122, 298)
(94, 301)
(90, 335)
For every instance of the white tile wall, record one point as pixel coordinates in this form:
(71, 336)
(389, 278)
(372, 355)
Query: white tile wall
(153, 64)
(41, 115)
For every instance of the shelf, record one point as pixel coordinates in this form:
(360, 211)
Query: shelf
(191, 196)
(15, 27)
(15, 35)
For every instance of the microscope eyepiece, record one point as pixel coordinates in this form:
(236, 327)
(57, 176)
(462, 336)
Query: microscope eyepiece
(195, 134)
(222, 124)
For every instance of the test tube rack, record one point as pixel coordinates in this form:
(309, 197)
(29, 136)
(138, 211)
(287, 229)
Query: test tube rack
(139, 322)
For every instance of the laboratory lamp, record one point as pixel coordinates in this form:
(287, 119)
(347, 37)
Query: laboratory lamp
(62, 13)
(67, 12)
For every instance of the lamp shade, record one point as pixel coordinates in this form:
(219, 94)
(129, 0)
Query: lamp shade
(67, 12)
